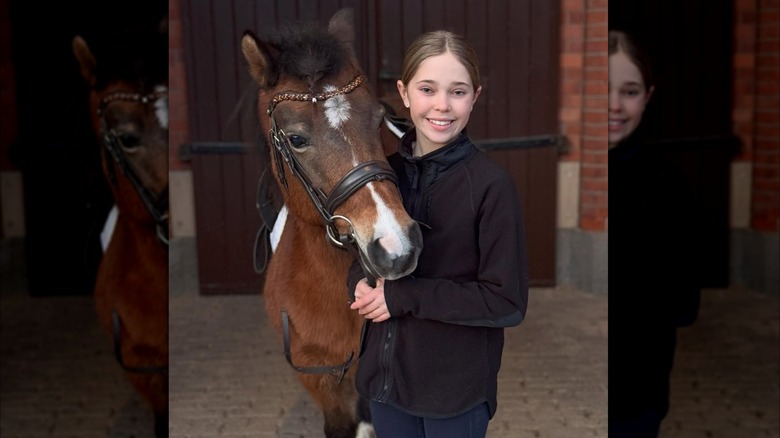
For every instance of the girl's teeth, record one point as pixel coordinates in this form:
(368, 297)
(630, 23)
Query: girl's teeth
(441, 122)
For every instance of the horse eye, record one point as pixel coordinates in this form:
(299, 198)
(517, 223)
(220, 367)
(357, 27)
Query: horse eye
(296, 141)
(129, 141)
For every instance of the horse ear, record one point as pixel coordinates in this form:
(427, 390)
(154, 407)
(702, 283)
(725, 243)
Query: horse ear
(86, 60)
(342, 26)
(260, 60)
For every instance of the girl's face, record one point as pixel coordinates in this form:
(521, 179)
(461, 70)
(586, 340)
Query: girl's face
(440, 97)
(627, 97)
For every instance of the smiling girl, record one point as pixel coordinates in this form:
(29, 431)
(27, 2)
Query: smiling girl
(653, 287)
(433, 353)
(630, 87)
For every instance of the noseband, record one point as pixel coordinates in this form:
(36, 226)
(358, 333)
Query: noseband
(356, 178)
(156, 204)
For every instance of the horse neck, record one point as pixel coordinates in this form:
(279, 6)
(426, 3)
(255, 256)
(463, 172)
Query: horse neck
(310, 243)
(126, 198)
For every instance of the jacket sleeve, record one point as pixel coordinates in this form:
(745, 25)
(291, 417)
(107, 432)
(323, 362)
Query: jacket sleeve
(499, 295)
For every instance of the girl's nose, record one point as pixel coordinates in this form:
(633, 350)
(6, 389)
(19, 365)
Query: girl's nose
(614, 101)
(443, 102)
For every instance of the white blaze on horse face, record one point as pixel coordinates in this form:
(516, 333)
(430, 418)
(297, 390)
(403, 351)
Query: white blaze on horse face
(161, 106)
(336, 108)
(387, 229)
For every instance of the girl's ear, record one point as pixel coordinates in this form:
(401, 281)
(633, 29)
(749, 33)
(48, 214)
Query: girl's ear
(476, 94)
(403, 92)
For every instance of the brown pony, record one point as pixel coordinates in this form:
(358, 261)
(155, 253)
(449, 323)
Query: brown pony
(128, 103)
(322, 123)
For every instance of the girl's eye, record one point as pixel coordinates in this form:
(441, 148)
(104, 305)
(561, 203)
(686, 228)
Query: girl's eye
(426, 90)
(459, 92)
(631, 93)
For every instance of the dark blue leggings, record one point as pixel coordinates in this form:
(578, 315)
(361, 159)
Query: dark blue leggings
(389, 422)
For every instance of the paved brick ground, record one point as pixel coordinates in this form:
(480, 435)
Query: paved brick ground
(229, 377)
(726, 379)
(58, 377)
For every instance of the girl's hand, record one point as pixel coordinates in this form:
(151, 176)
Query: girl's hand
(370, 302)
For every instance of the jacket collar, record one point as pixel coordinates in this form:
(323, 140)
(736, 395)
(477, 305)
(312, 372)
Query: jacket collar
(438, 162)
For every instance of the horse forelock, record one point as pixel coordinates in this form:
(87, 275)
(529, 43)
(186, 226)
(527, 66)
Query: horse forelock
(310, 53)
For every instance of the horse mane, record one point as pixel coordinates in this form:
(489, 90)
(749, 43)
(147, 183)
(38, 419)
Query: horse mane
(309, 52)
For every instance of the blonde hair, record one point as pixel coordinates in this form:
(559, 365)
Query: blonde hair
(436, 43)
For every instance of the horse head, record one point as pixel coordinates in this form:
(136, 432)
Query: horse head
(129, 110)
(323, 124)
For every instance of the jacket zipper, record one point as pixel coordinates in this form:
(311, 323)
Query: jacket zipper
(387, 354)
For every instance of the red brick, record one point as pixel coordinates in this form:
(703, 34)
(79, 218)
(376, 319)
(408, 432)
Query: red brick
(596, 87)
(588, 170)
(593, 223)
(597, 130)
(598, 59)
(571, 60)
(596, 16)
(591, 116)
(765, 223)
(574, 17)
(591, 157)
(744, 60)
(571, 87)
(767, 131)
(597, 32)
(573, 31)
(594, 184)
(572, 74)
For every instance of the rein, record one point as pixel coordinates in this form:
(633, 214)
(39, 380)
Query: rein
(116, 325)
(156, 204)
(326, 205)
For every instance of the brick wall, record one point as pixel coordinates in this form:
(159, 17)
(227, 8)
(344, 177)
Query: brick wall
(583, 115)
(756, 112)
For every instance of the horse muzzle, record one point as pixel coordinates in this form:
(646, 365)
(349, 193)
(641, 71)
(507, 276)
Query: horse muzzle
(392, 257)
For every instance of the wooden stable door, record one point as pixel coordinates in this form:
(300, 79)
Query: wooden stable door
(515, 119)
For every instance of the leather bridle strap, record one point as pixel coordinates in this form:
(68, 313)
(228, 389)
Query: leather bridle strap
(117, 331)
(156, 204)
(356, 178)
(336, 370)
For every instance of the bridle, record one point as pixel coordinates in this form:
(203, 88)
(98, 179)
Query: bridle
(155, 203)
(326, 205)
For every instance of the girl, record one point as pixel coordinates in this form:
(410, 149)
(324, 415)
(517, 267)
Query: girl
(652, 287)
(433, 353)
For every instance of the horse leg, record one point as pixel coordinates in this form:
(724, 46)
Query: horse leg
(338, 402)
(153, 389)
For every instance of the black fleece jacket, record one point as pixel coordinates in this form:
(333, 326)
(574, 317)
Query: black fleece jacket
(652, 277)
(439, 354)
